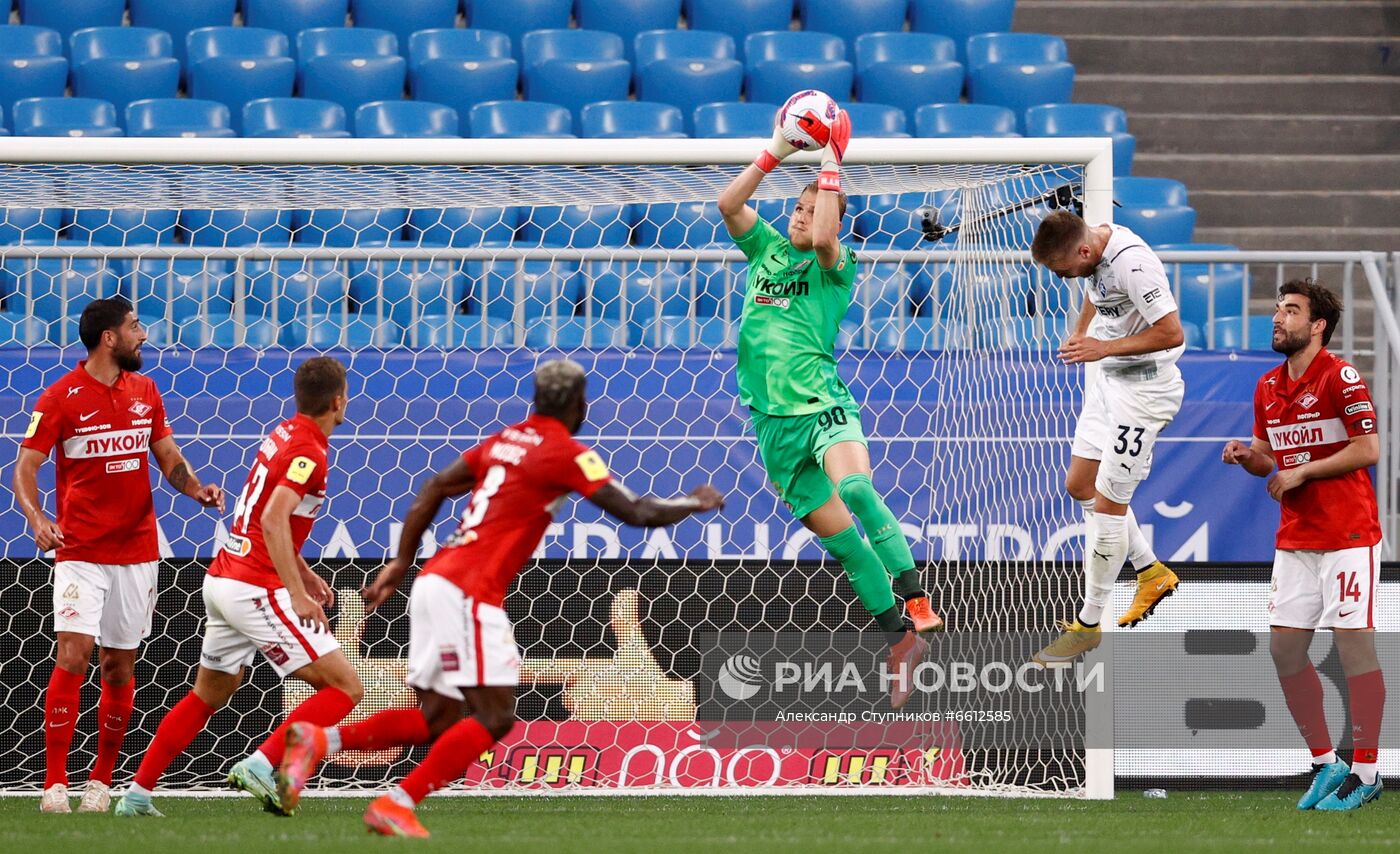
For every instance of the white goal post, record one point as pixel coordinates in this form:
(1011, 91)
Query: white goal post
(947, 347)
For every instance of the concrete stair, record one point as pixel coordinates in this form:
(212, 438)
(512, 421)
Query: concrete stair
(1282, 116)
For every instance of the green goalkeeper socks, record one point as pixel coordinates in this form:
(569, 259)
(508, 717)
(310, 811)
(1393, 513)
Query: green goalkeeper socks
(886, 537)
(865, 572)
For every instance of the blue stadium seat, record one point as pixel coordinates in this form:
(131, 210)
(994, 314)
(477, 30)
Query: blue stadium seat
(738, 18)
(637, 292)
(776, 80)
(734, 120)
(519, 17)
(25, 41)
(65, 117)
(849, 19)
(179, 17)
(1020, 86)
(1234, 333)
(65, 16)
(719, 289)
(122, 226)
(573, 333)
(1086, 120)
(19, 329)
(876, 47)
(610, 119)
(1158, 225)
(882, 290)
(123, 64)
(404, 291)
(223, 331)
(926, 333)
(30, 225)
(54, 288)
(235, 65)
(404, 17)
(627, 18)
(793, 46)
(894, 221)
(351, 78)
(1193, 337)
(1019, 48)
(178, 288)
(332, 330)
(522, 119)
(348, 227)
(282, 290)
(961, 19)
(689, 83)
(1149, 192)
(877, 120)
(3, 130)
(428, 45)
(379, 119)
(712, 333)
(344, 41)
(946, 120)
(576, 225)
(23, 77)
(189, 117)
(574, 84)
(654, 45)
(1199, 284)
(463, 83)
(910, 85)
(462, 226)
(451, 332)
(203, 227)
(679, 226)
(293, 117)
(538, 288)
(293, 16)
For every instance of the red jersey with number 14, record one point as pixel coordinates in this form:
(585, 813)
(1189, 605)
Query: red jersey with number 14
(1312, 419)
(293, 455)
(522, 475)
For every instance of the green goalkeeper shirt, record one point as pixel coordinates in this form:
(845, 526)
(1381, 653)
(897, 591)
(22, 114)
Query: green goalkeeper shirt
(787, 333)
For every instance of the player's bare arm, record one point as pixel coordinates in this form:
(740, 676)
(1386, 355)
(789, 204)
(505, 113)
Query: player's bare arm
(47, 535)
(650, 512)
(181, 476)
(739, 218)
(277, 534)
(456, 479)
(1257, 457)
(1081, 325)
(1162, 335)
(1360, 452)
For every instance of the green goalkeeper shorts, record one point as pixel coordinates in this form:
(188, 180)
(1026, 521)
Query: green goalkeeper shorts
(792, 448)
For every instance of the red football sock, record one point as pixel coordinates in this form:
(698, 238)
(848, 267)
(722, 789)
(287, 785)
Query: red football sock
(389, 728)
(176, 731)
(1367, 708)
(113, 712)
(1303, 691)
(60, 717)
(451, 755)
(327, 707)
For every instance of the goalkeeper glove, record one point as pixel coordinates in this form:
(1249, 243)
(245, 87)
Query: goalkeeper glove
(830, 177)
(778, 148)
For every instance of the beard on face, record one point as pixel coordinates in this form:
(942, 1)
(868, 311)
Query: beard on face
(128, 360)
(1290, 344)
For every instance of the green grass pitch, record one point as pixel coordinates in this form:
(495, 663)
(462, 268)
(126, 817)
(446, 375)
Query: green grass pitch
(1203, 821)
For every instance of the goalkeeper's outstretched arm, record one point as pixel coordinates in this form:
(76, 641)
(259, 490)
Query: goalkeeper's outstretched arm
(739, 218)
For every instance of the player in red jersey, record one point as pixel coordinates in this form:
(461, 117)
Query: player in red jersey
(1314, 418)
(462, 652)
(260, 595)
(100, 421)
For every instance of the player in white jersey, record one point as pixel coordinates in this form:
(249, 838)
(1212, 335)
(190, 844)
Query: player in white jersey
(1128, 337)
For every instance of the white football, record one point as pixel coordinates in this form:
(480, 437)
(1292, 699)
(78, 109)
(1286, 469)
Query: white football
(806, 119)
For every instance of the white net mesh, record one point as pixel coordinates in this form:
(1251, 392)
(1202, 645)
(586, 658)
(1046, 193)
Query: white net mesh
(443, 285)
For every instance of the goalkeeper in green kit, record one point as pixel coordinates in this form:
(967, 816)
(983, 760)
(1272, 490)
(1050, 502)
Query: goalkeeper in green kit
(807, 422)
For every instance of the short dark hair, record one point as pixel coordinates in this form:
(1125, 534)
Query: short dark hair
(1322, 303)
(318, 382)
(559, 386)
(840, 198)
(1058, 233)
(99, 316)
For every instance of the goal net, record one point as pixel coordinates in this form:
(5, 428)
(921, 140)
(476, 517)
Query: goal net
(720, 655)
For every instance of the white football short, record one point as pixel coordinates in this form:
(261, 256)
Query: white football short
(1325, 590)
(456, 641)
(1119, 424)
(112, 602)
(243, 618)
